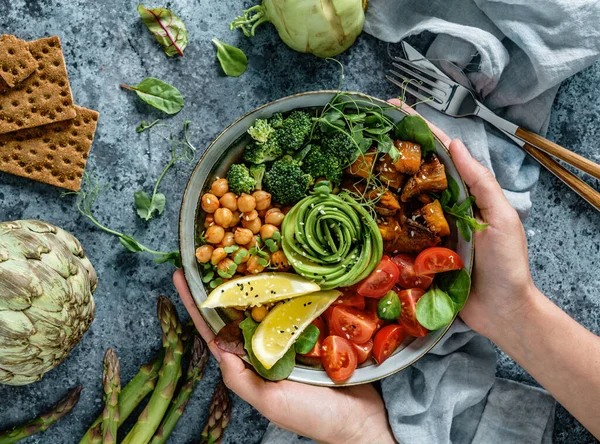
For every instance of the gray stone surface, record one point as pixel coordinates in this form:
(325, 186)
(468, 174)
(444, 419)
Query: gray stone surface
(105, 44)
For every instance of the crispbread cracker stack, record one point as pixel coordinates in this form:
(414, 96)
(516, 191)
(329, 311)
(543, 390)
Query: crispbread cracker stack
(55, 154)
(44, 97)
(16, 62)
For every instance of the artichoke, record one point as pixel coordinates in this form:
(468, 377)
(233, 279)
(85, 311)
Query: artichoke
(46, 303)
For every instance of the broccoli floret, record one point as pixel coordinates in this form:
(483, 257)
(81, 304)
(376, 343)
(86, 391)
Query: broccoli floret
(294, 131)
(341, 146)
(240, 180)
(276, 120)
(257, 172)
(320, 163)
(286, 181)
(261, 130)
(263, 152)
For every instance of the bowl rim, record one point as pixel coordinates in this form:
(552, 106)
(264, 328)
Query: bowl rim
(283, 99)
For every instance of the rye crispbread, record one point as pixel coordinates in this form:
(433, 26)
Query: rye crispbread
(16, 62)
(55, 154)
(44, 97)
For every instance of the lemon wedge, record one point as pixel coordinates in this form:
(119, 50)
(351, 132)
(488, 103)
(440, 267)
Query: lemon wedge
(283, 324)
(264, 288)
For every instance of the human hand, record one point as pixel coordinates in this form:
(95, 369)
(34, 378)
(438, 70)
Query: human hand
(352, 414)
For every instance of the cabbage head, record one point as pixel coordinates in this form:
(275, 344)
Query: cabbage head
(324, 28)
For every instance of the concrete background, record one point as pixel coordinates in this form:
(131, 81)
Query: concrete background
(106, 44)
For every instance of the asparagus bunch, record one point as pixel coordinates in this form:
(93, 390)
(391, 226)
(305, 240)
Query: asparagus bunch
(194, 374)
(44, 421)
(130, 397)
(169, 375)
(111, 380)
(218, 418)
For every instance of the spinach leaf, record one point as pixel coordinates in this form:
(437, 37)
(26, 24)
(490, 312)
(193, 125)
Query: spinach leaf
(281, 369)
(413, 128)
(233, 60)
(307, 339)
(146, 207)
(388, 307)
(169, 30)
(457, 284)
(158, 94)
(435, 309)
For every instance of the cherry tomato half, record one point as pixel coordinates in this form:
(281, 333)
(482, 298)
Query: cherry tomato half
(363, 351)
(437, 260)
(316, 350)
(350, 298)
(407, 277)
(381, 280)
(352, 324)
(338, 358)
(386, 341)
(408, 316)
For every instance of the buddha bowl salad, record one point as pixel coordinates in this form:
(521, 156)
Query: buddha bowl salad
(323, 245)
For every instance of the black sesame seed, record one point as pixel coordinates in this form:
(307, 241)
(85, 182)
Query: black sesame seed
(309, 303)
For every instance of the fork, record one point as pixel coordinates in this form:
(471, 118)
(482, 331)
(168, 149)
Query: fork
(453, 99)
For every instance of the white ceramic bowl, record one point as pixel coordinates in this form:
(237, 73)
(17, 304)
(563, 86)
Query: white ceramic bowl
(225, 150)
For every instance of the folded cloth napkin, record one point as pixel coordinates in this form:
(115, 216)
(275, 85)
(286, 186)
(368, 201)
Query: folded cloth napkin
(515, 54)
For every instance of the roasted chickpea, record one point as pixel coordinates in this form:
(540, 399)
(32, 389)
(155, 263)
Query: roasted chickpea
(242, 268)
(279, 260)
(252, 225)
(229, 200)
(223, 217)
(253, 265)
(253, 243)
(228, 239)
(219, 187)
(209, 220)
(225, 264)
(246, 203)
(267, 231)
(236, 217)
(242, 236)
(251, 215)
(274, 216)
(218, 255)
(259, 313)
(204, 253)
(262, 213)
(214, 234)
(210, 203)
(263, 199)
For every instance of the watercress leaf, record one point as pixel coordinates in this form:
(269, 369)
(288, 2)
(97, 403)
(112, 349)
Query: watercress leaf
(158, 94)
(365, 144)
(413, 128)
(377, 130)
(233, 60)
(307, 339)
(475, 225)
(463, 229)
(457, 284)
(172, 257)
(169, 30)
(282, 368)
(446, 197)
(435, 309)
(356, 118)
(388, 307)
(130, 243)
(142, 204)
(453, 189)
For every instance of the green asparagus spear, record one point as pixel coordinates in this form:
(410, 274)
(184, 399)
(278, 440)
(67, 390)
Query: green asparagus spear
(111, 380)
(131, 396)
(218, 418)
(194, 375)
(44, 421)
(169, 374)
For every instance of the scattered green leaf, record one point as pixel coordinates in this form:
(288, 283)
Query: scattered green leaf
(388, 307)
(233, 60)
(158, 94)
(169, 30)
(307, 339)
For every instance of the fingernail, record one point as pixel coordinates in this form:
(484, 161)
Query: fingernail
(216, 351)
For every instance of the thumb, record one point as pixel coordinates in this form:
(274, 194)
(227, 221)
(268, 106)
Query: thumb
(482, 184)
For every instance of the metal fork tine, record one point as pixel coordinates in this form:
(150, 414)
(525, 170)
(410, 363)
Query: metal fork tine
(411, 91)
(435, 75)
(433, 94)
(428, 82)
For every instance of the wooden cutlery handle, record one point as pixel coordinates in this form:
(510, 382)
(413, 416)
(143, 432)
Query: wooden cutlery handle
(571, 180)
(559, 152)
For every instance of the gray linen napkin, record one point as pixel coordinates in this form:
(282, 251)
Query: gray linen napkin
(515, 53)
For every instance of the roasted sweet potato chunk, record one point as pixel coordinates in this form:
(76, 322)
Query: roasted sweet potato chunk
(385, 202)
(435, 219)
(388, 174)
(411, 238)
(409, 160)
(431, 178)
(388, 227)
(363, 166)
